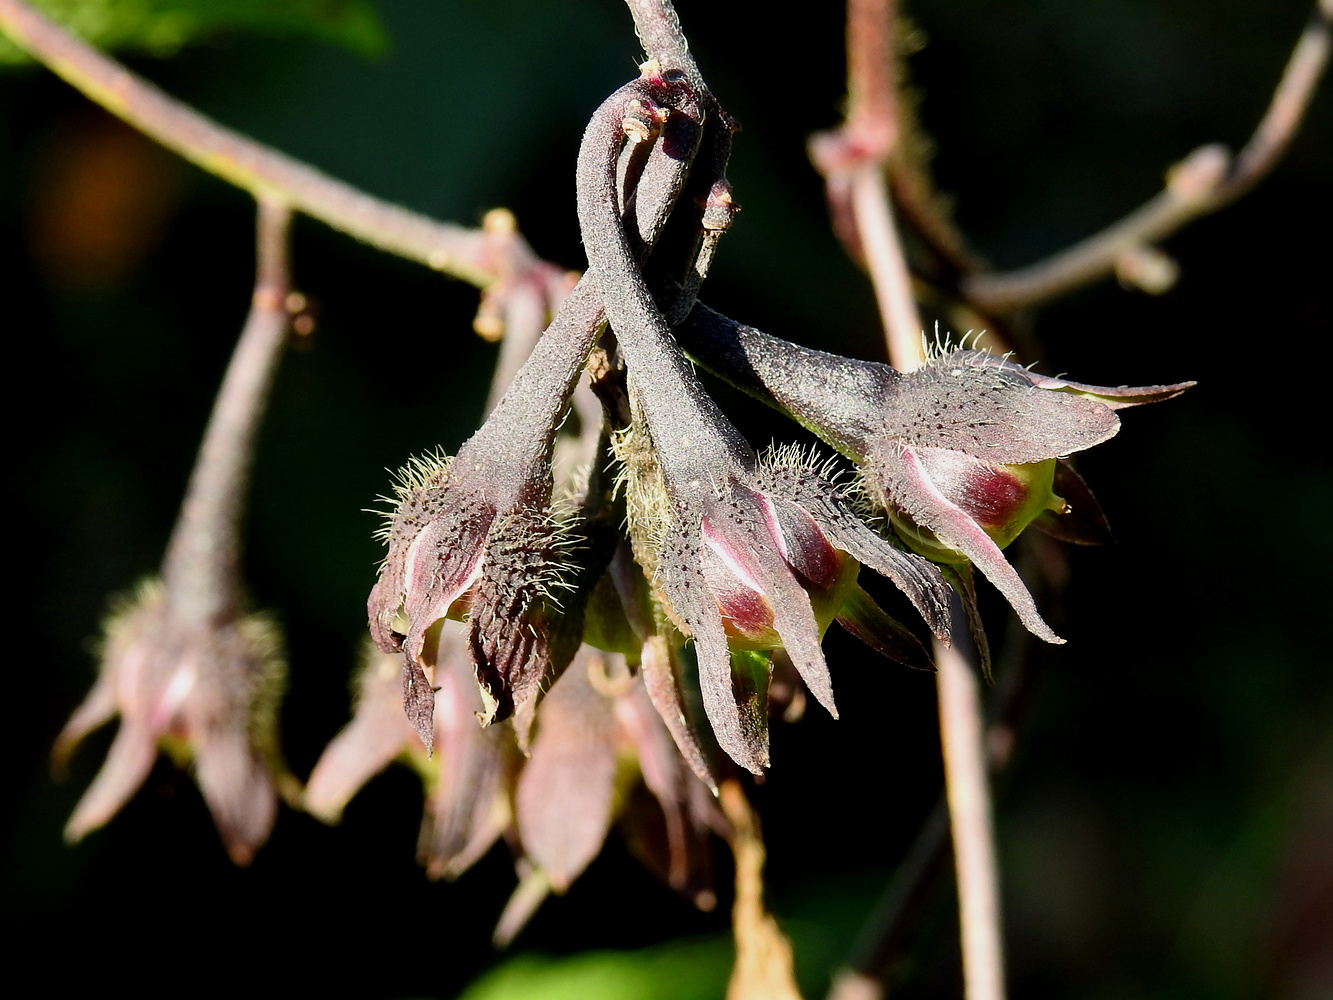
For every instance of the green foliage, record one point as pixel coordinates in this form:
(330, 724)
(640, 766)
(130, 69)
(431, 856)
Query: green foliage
(820, 920)
(162, 27)
(680, 970)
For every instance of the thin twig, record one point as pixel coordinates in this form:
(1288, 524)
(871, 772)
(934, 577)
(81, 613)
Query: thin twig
(1205, 181)
(961, 729)
(264, 172)
(925, 211)
(1283, 116)
(872, 85)
(887, 266)
(852, 159)
(880, 129)
(200, 567)
(887, 932)
(967, 788)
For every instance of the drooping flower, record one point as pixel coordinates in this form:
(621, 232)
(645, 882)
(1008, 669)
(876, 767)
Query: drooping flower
(961, 454)
(476, 536)
(473, 537)
(207, 694)
(468, 780)
(723, 539)
(599, 747)
(599, 742)
(183, 665)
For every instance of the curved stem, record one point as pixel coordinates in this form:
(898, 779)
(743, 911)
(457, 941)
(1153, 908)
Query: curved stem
(689, 430)
(522, 423)
(1283, 116)
(264, 172)
(1187, 195)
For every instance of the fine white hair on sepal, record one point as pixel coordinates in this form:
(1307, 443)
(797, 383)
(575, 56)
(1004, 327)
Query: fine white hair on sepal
(421, 472)
(944, 345)
(563, 541)
(781, 457)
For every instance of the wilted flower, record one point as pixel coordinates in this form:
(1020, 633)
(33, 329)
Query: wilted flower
(598, 741)
(207, 694)
(961, 453)
(378, 733)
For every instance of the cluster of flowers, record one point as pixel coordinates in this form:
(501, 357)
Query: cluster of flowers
(622, 632)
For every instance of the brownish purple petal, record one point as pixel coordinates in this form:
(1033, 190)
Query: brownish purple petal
(566, 789)
(377, 733)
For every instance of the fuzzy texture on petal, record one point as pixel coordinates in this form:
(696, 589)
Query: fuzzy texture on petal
(964, 402)
(797, 479)
(509, 629)
(736, 708)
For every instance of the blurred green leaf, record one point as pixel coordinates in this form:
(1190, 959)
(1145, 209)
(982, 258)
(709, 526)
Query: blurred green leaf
(162, 27)
(821, 920)
(680, 970)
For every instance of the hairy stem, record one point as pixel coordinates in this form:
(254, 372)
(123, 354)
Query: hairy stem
(800, 382)
(872, 93)
(200, 568)
(661, 380)
(533, 405)
(658, 26)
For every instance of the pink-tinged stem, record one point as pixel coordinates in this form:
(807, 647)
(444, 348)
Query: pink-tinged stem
(961, 727)
(962, 734)
(200, 568)
(888, 267)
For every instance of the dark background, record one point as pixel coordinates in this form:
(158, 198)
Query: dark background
(1165, 827)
